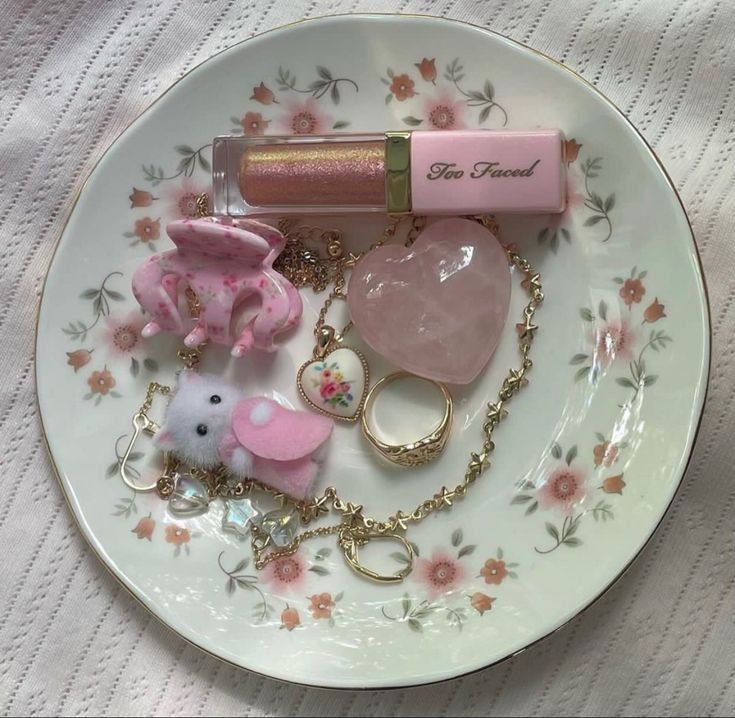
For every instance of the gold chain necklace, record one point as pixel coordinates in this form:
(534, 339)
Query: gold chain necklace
(354, 529)
(307, 267)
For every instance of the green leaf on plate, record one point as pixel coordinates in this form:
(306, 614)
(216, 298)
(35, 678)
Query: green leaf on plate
(582, 373)
(406, 604)
(241, 566)
(624, 381)
(552, 531)
(412, 121)
(204, 163)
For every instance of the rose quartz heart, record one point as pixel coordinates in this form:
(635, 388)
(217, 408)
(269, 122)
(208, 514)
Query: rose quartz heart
(437, 308)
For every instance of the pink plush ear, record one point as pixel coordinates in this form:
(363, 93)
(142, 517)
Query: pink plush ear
(188, 377)
(271, 431)
(164, 440)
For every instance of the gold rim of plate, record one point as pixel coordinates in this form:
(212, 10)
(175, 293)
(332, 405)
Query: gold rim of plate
(369, 16)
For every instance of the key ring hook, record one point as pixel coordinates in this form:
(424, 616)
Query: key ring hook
(350, 541)
(141, 423)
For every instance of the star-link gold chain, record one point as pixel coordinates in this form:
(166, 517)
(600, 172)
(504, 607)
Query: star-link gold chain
(306, 266)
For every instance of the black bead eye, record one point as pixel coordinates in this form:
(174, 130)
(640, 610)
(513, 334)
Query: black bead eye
(215, 399)
(202, 429)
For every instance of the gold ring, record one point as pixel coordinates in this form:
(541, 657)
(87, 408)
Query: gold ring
(417, 452)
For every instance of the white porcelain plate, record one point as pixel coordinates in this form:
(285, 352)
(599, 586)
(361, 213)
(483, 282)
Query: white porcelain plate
(586, 464)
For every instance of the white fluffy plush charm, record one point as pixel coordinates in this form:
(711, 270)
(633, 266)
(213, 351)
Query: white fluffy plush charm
(209, 421)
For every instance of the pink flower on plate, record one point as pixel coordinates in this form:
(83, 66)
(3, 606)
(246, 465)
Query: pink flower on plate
(612, 341)
(182, 200)
(444, 112)
(574, 200)
(304, 118)
(285, 574)
(563, 489)
(402, 87)
(79, 358)
(494, 571)
(440, 574)
(122, 335)
(253, 124)
(571, 150)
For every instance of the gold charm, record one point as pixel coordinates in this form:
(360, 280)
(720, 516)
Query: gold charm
(336, 381)
(350, 541)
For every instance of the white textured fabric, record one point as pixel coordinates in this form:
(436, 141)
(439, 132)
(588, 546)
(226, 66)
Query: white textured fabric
(72, 642)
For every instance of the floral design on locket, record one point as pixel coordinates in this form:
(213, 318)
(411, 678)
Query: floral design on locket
(333, 387)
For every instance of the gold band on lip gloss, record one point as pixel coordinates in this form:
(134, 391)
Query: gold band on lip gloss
(398, 172)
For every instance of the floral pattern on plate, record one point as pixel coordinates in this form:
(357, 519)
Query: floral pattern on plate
(112, 340)
(565, 490)
(573, 490)
(446, 107)
(555, 484)
(282, 580)
(452, 588)
(619, 336)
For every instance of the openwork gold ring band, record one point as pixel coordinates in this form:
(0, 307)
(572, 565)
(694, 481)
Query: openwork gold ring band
(417, 452)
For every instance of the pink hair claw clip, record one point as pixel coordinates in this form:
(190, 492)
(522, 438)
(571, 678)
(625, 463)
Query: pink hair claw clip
(223, 262)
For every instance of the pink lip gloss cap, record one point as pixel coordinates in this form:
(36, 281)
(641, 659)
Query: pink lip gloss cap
(474, 171)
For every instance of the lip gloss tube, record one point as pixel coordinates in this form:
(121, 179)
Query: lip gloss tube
(433, 173)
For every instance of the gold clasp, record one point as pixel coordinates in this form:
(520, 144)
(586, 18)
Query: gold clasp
(141, 423)
(350, 541)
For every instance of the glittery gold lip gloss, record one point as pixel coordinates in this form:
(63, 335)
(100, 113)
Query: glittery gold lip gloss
(339, 173)
(457, 172)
